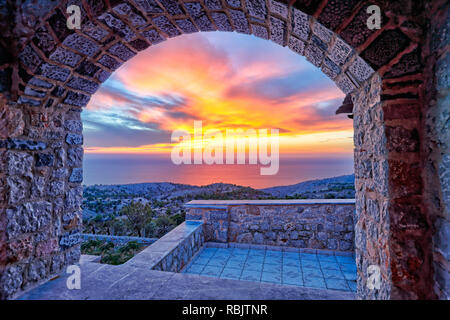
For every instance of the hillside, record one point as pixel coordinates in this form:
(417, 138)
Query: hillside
(336, 187)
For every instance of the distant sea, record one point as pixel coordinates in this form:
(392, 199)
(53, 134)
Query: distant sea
(125, 169)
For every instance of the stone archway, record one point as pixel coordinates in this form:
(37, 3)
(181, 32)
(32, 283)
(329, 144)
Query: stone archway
(388, 72)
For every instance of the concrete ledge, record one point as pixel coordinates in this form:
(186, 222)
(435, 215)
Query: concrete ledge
(223, 204)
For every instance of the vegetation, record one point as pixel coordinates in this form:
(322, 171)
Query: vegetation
(139, 215)
(153, 209)
(110, 253)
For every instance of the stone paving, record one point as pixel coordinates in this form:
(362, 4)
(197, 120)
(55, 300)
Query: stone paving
(279, 267)
(124, 282)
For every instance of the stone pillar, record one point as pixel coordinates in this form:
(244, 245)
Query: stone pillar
(436, 151)
(372, 192)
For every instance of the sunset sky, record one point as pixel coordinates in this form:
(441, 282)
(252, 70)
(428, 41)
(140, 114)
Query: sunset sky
(228, 81)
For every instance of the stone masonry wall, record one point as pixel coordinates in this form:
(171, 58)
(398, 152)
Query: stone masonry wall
(174, 250)
(309, 225)
(49, 72)
(371, 176)
(436, 153)
(178, 258)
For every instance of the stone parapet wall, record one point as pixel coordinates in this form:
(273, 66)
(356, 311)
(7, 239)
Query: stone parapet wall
(315, 224)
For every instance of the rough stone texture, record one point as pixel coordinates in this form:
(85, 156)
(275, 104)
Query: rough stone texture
(437, 160)
(174, 250)
(401, 142)
(372, 227)
(314, 226)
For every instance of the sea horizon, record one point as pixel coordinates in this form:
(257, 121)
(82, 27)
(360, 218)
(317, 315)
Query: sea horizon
(105, 169)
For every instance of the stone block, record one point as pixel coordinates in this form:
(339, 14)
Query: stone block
(37, 271)
(164, 24)
(322, 33)
(75, 157)
(82, 84)
(76, 99)
(121, 51)
(335, 12)
(44, 160)
(103, 75)
(400, 139)
(300, 24)
(345, 84)
(153, 36)
(40, 83)
(54, 72)
(19, 163)
(361, 70)
(76, 175)
(58, 91)
(410, 63)
(38, 187)
(239, 21)
(82, 44)
(340, 51)
(384, 48)
(44, 41)
(34, 93)
(221, 21)
(74, 198)
(69, 240)
(75, 126)
(135, 19)
(314, 55)
(172, 7)
(197, 12)
(74, 139)
(57, 188)
(213, 4)
(186, 25)
(278, 8)
(18, 188)
(46, 248)
(257, 8)
(149, 6)
(234, 3)
(65, 56)
(94, 31)
(277, 30)
(30, 58)
(260, 31)
(29, 217)
(11, 280)
(118, 26)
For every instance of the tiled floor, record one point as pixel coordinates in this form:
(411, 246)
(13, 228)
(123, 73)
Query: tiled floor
(288, 268)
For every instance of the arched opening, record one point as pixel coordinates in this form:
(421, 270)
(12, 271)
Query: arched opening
(228, 81)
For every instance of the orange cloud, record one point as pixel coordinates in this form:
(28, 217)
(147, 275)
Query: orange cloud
(264, 93)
